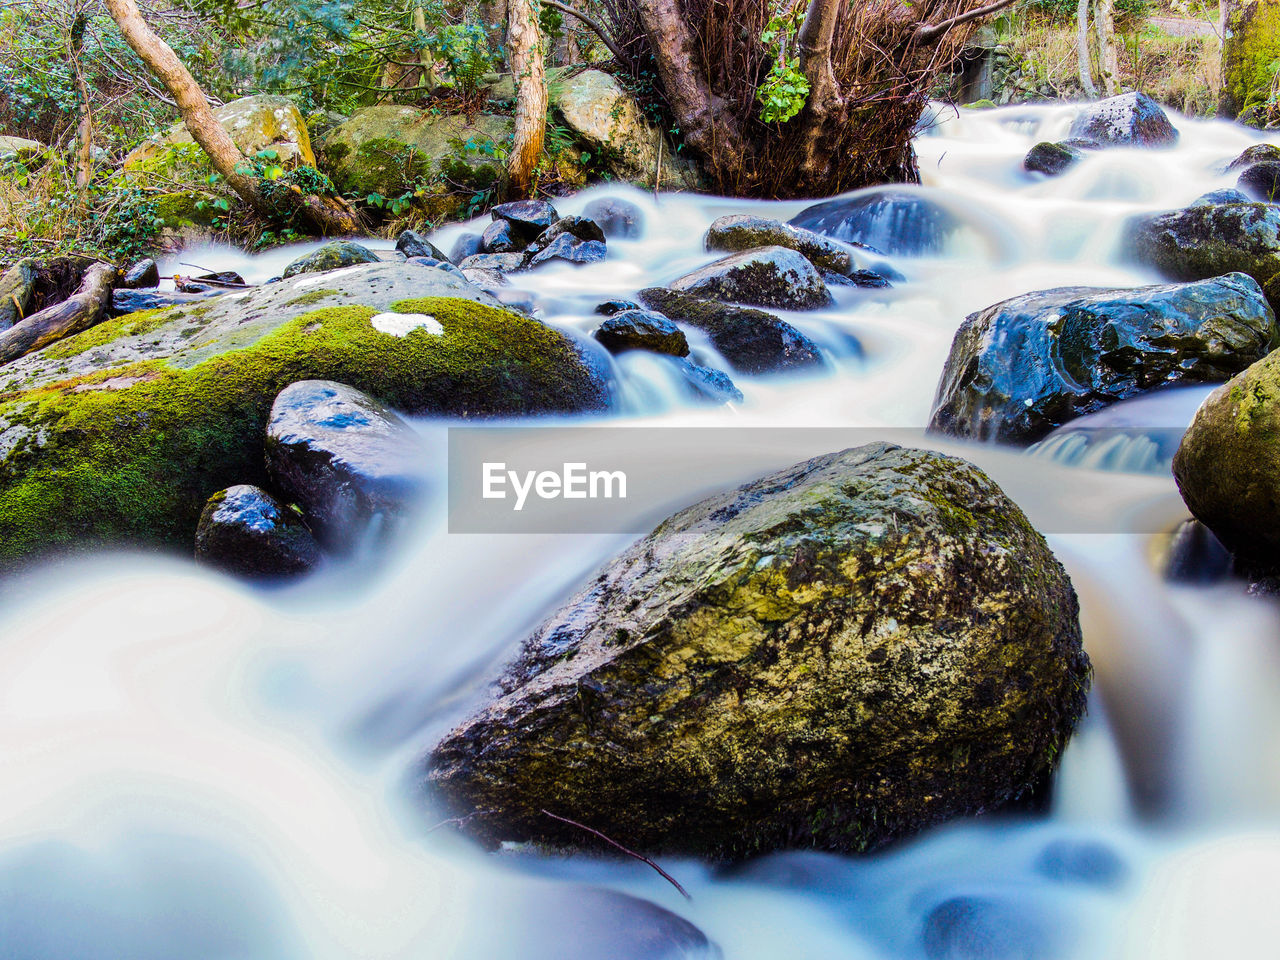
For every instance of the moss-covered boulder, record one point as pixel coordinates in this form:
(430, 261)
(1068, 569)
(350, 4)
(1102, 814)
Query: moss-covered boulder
(740, 232)
(1209, 240)
(836, 655)
(121, 433)
(1126, 120)
(331, 256)
(1228, 465)
(770, 276)
(1250, 50)
(1024, 366)
(20, 149)
(1052, 159)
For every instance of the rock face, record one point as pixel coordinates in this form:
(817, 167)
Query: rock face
(17, 292)
(1250, 48)
(1227, 464)
(1261, 181)
(141, 275)
(247, 532)
(641, 330)
(1127, 120)
(752, 341)
(763, 277)
(617, 218)
(352, 464)
(20, 149)
(1210, 240)
(740, 232)
(413, 244)
(893, 221)
(121, 433)
(608, 120)
(1052, 159)
(782, 666)
(1024, 366)
(331, 256)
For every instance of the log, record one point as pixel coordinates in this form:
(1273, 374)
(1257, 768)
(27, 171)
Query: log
(80, 311)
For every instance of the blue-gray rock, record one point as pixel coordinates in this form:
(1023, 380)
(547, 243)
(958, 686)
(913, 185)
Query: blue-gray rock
(885, 221)
(974, 927)
(583, 228)
(133, 301)
(332, 256)
(707, 384)
(1261, 181)
(764, 277)
(247, 532)
(413, 244)
(1127, 120)
(1024, 366)
(738, 232)
(1216, 197)
(570, 249)
(1196, 556)
(501, 237)
(437, 264)
(617, 218)
(501, 262)
(528, 217)
(641, 330)
(144, 273)
(467, 245)
(609, 307)
(353, 465)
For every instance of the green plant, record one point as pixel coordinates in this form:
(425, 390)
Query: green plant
(785, 89)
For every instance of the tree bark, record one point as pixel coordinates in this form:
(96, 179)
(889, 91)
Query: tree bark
(84, 125)
(1082, 48)
(327, 217)
(527, 67)
(1104, 28)
(80, 311)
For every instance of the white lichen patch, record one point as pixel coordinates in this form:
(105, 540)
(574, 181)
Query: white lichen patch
(401, 324)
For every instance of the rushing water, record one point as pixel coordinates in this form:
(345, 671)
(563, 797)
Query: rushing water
(191, 768)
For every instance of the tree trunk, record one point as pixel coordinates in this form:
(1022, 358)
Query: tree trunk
(80, 311)
(328, 217)
(84, 125)
(529, 71)
(1082, 48)
(814, 40)
(1250, 46)
(429, 79)
(1104, 27)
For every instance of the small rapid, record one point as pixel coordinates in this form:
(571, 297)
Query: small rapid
(193, 768)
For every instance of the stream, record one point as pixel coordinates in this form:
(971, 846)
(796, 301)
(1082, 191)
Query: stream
(192, 768)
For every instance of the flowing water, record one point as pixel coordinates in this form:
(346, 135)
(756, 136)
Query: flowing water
(193, 768)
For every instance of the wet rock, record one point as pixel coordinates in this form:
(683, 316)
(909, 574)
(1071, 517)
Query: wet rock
(434, 264)
(1261, 181)
(467, 245)
(583, 228)
(485, 278)
(144, 273)
(351, 463)
(1127, 120)
(1258, 153)
(763, 277)
(501, 262)
(133, 301)
(207, 282)
(783, 666)
(501, 237)
(609, 307)
(752, 341)
(1052, 159)
(887, 221)
(740, 232)
(527, 217)
(864, 279)
(1215, 197)
(570, 249)
(413, 244)
(975, 927)
(1196, 556)
(641, 330)
(1021, 367)
(332, 256)
(1209, 241)
(707, 383)
(617, 218)
(247, 532)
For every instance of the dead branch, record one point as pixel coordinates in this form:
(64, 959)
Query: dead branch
(927, 33)
(630, 853)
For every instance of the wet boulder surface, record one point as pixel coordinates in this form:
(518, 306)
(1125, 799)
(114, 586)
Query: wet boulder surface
(835, 655)
(616, 217)
(888, 221)
(752, 341)
(641, 330)
(762, 277)
(741, 232)
(1052, 159)
(1024, 366)
(1127, 120)
(245, 531)
(331, 256)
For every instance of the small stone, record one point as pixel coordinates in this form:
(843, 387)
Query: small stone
(1051, 159)
(413, 244)
(501, 237)
(610, 307)
(467, 245)
(247, 532)
(642, 330)
(569, 248)
(144, 273)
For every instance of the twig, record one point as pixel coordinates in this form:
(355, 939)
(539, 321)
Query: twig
(596, 27)
(926, 33)
(614, 843)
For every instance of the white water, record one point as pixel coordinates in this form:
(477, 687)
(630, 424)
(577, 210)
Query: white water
(189, 768)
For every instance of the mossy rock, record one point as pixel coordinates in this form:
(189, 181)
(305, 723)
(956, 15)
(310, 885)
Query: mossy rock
(120, 434)
(334, 255)
(1250, 50)
(184, 209)
(837, 655)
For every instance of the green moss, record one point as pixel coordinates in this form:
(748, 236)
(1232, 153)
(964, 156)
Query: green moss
(186, 209)
(312, 297)
(129, 325)
(1250, 54)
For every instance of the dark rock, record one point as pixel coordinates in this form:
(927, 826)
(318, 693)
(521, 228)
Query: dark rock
(206, 282)
(467, 245)
(752, 341)
(989, 928)
(144, 273)
(870, 280)
(707, 383)
(1127, 120)
(1261, 181)
(642, 330)
(133, 301)
(1052, 159)
(581, 227)
(741, 232)
(783, 666)
(617, 218)
(1217, 197)
(246, 531)
(502, 262)
(1024, 366)
(1208, 241)
(413, 244)
(332, 256)
(351, 463)
(763, 277)
(1081, 861)
(528, 217)
(887, 221)
(570, 249)
(486, 278)
(1196, 556)
(501, 237)
(1258, 153)
(610, 307)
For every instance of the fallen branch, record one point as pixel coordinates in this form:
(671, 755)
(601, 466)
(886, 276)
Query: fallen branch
(80, 311)
(614, 843)
(927, 33)
(594, 25)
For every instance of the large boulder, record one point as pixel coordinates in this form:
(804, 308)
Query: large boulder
(609, 122)
(763, 277)
(20, 149)
(1127, 120)
(120, 433)
(246, 531)
(740, 232)
(1026, 365)
(836, 655)
(894, 221)
(616, 217)
(1228, 465)
(1209, 240)
(752, 341)
(1250, 50)
(333, 255)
